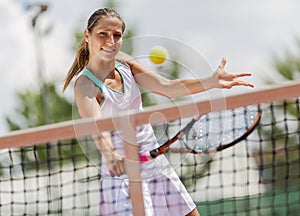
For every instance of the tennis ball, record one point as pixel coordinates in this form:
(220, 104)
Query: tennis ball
(158, 54)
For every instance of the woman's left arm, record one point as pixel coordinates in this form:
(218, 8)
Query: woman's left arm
(182, 87)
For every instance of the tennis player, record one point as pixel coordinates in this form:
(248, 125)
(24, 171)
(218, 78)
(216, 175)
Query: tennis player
(107, 83)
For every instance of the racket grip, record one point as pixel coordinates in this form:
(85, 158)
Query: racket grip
(144, 157)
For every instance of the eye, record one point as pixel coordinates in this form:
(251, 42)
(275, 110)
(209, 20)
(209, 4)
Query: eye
(117, 36)
(102, 34)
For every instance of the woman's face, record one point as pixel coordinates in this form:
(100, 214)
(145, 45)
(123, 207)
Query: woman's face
(105, 40)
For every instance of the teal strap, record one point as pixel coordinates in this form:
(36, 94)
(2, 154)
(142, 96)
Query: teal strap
(118, 64)
(92, 77)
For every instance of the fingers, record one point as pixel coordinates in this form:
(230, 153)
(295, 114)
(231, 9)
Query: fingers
(116, 167)
(228, 80)
(242, 74)
(243, 83)
(237, 83)
(223, 62)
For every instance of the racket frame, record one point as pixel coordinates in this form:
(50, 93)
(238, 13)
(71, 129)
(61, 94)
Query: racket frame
(164, 148)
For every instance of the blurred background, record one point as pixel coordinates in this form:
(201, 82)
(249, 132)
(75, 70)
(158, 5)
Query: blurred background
(38, 40)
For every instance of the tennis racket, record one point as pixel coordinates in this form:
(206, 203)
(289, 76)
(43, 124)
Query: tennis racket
(211, 133)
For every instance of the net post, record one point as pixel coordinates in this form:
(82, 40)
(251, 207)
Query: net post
(132, 163)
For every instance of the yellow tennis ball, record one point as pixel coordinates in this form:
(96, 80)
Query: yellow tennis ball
(158, 54)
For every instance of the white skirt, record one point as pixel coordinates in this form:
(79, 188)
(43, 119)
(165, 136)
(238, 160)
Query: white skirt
(164, 193)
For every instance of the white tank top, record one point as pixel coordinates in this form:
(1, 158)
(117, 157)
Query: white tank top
(115, 102)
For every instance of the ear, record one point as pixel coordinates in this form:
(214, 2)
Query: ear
(86, 35)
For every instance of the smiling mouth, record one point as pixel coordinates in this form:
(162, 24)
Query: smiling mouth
(108, 50)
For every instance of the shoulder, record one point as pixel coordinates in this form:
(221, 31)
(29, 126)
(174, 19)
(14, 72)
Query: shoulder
(130, 62)
(85, 87)
(126, 60)
(123, 58)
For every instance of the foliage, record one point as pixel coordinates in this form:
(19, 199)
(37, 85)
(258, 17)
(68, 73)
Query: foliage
(41, 107)
(31, 111)
(289, 66)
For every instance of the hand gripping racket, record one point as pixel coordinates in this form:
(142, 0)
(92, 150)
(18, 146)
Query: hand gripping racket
(211, 133)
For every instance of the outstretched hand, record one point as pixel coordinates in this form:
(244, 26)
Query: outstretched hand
(228, 80)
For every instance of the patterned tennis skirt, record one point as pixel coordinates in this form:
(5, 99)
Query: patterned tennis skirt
(163, 192)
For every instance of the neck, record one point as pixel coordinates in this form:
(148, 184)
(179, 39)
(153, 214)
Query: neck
(102, 69)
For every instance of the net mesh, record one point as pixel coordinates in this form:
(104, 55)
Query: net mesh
(258, 176)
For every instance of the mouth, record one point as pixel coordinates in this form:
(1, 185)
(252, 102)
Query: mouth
(108, 50)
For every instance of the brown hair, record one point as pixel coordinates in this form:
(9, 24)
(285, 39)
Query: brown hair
(82, 52)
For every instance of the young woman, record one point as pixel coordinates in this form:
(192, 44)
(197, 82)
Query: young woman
(107, 83)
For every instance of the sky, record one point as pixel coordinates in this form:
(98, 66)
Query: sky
(248, 33)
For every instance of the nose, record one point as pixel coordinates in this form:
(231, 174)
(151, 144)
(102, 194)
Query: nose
(110, 40)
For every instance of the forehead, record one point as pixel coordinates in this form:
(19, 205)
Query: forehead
(109, 23)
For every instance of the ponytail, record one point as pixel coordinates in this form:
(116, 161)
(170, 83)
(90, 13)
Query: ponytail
(81, 60)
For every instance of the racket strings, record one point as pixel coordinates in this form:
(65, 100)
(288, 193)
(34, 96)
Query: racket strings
(218, 129)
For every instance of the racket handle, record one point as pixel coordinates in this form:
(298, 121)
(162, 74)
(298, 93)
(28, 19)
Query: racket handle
(144, 157)
(150, 155)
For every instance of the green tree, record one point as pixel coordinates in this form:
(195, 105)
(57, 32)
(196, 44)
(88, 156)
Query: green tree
(30, 113)
(289, 66)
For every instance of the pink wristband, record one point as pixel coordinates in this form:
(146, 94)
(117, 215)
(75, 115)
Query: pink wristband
(143, 157)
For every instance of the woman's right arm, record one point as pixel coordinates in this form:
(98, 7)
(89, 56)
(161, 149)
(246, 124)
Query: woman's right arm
(88, 106)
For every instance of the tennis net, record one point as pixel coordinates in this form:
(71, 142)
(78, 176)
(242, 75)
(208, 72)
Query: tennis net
(53, 170)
